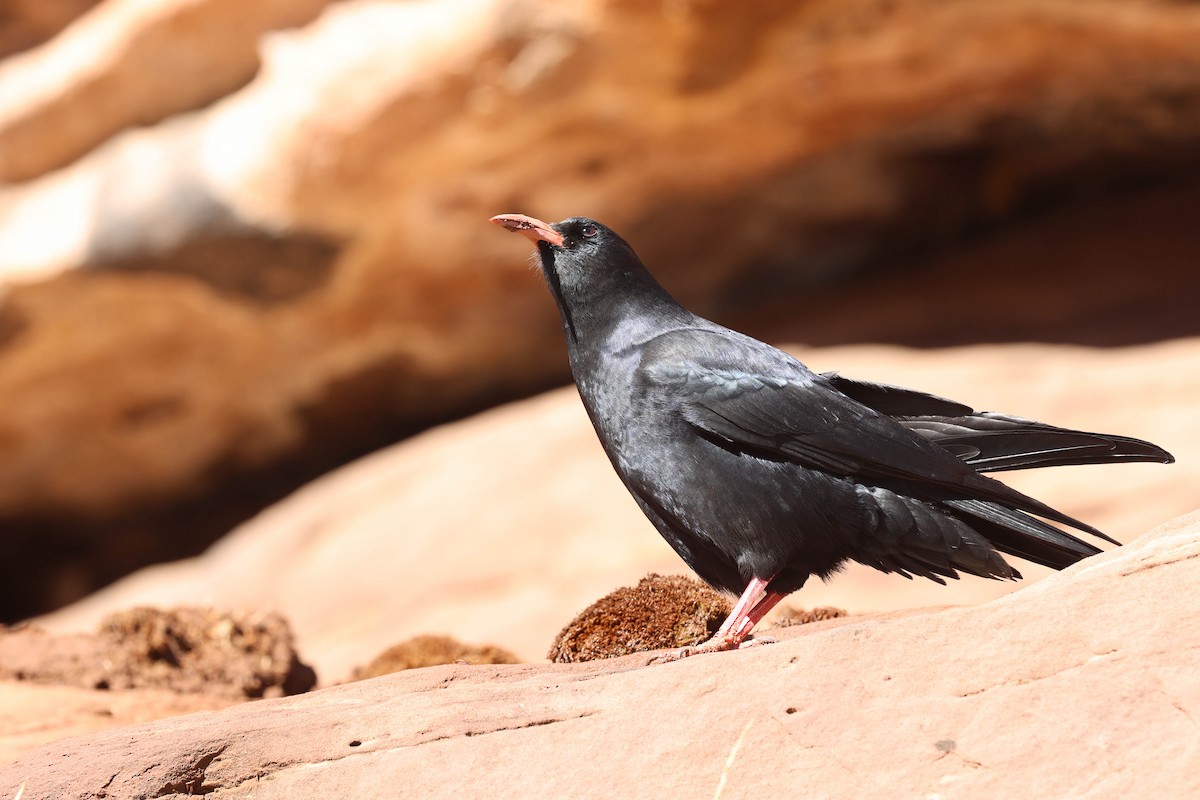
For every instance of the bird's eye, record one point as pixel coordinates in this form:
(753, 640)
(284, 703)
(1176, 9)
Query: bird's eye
(589, 231)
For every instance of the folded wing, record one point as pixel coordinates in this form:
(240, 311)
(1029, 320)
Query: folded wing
(992, 442)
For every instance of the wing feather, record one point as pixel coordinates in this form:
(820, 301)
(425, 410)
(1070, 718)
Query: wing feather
(992, 442)
(803, 418)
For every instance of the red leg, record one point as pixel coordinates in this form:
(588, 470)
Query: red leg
(750, 597)
(760, 610)
(754, 603)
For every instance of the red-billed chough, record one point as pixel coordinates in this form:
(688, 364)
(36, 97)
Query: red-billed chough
(760, 472)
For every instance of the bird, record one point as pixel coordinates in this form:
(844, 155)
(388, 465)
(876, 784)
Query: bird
(761, 473)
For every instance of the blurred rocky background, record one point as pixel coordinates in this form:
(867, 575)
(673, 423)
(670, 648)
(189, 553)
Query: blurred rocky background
(245, 243)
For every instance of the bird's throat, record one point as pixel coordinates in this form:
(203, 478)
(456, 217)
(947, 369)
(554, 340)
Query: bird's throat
(555, 285)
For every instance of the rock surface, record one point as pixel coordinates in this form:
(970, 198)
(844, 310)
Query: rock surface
(301, 271)
(32, 714)
(1082, 685)
(127, 64)
(28, 23)
(502, 527)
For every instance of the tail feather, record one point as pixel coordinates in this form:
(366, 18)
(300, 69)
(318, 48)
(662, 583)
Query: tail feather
(1018, 534)
(992, 442)
(995, 442)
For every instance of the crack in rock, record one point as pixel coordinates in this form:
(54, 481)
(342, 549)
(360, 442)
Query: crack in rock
(948, 747)
(1157, 564)
(192, 783)
(531, 724)
(1035, 678)
(277, 767)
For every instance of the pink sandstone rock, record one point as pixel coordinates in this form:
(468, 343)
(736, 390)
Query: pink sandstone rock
(1083, 685)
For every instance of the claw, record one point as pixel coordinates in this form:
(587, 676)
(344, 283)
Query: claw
(717, 644)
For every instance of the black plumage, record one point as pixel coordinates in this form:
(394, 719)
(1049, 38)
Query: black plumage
(761, 473)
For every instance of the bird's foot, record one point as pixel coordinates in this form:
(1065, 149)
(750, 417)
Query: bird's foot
(717, 644)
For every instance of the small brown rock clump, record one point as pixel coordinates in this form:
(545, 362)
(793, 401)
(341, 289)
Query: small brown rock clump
(662, 611)
(430, 651)
(798, 616)
(187, 650)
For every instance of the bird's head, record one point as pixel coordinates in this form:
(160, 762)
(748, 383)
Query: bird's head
(588, 266)
(578, 250)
